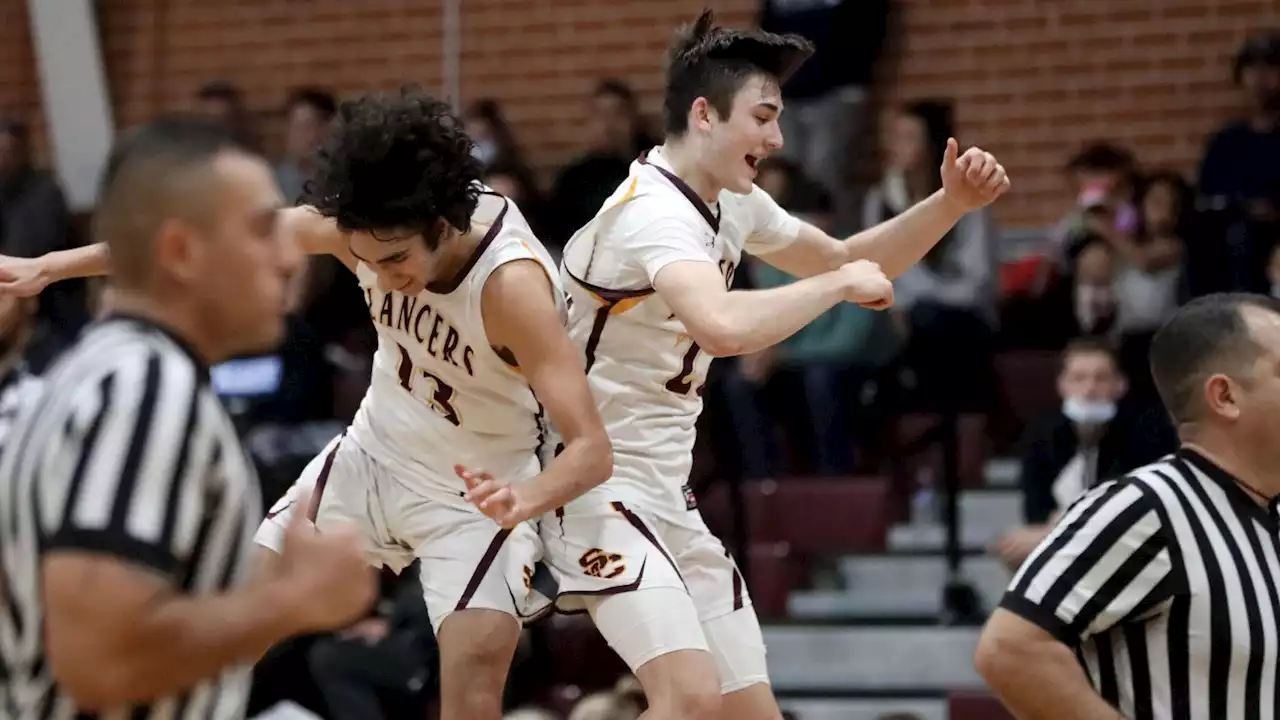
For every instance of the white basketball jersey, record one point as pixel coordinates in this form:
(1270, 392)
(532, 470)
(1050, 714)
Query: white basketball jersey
(440, 394)
(645, 370)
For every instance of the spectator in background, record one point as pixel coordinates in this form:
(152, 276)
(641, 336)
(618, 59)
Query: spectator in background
(945, 305)
(1092, 439)
(831, 360)
(308, 115)
(1148, 280)
(35, 220)
(1102, 177)
(1091, 291)
(826, 99)
(495, 143)
(224, 100)
(1240, 173)
(616, 135)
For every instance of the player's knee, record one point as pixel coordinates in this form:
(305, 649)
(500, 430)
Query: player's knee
(476, 647)
(682, 684)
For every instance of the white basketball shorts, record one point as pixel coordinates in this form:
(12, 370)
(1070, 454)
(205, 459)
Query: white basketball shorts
(467, 561)
(618, 563)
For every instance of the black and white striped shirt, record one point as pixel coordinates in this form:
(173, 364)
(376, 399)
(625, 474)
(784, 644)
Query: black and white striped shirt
(17, 389)
(1167, 584)
(130, 454)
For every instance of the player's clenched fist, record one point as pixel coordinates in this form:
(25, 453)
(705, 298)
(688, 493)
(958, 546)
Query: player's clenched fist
(866, 284)
(328, 571)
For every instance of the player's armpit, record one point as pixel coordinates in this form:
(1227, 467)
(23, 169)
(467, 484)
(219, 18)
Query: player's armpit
(1035, 675)
(120, 633)
(813, 253)
(317, 234)
(520, 315)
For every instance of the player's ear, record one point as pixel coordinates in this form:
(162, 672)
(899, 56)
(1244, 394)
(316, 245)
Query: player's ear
(700, 115)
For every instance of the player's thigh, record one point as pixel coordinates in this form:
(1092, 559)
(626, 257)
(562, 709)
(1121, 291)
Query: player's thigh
(467, 561)
(611, 562)
(336, 488)
(724, 607)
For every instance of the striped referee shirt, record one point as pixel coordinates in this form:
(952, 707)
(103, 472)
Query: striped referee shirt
(128, 454)
(1167, 584)
(17, 388)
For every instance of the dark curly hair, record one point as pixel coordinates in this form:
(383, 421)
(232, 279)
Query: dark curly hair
(397, 162)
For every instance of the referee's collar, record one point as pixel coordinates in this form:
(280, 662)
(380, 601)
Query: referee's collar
(180, 342)
(1239, 496)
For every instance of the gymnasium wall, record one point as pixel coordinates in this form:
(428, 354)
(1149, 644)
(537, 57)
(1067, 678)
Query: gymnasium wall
(1032, 78)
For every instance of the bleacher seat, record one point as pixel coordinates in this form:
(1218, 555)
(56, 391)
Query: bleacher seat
(822, 516)
(774, 573)
(1028, 383)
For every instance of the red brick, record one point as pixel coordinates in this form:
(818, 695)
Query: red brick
(1031, 80)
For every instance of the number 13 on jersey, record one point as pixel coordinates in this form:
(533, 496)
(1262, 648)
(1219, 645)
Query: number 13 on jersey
(427, 387)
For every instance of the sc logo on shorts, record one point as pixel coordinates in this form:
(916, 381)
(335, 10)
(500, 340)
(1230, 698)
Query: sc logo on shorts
(598, 563)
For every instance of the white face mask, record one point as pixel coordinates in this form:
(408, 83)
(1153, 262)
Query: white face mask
(485, 151)
(1086, 412)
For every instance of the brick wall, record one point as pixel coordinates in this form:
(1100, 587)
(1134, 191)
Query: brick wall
(1032, 78)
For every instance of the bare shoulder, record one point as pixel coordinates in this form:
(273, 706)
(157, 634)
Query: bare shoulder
(518, 281)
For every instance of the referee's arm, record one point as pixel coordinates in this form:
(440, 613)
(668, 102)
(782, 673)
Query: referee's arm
(1107, 559)
(124, 484)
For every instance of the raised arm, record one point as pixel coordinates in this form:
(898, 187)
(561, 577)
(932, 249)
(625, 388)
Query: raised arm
(521, 317)
(26, 277)
(1108, 559)
(969, 182)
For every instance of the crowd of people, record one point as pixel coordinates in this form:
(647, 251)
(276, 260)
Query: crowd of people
(1134, 244)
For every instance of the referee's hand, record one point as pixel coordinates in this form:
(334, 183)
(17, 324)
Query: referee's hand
(329, 573)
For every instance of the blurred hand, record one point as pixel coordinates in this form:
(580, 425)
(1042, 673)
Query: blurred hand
(500, 500)
(1014, 547)
(22, 277)
(328, 573)
(972, 180)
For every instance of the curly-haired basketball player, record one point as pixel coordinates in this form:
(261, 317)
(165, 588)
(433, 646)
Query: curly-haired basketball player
(472, 362)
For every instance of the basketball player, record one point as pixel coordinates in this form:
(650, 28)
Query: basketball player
(470, 321)
(648, 281)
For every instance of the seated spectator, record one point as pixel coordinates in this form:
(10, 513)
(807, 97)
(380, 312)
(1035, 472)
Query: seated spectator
(831, 360)
(1151, 258)
(945, 305)
(1239, 180)
(307, 119)
(1094, 437)
(1102, 178)
(615, 136)
(35, 220)
(1083, 303)
(495, 142)
(390, 655)
(223, 100)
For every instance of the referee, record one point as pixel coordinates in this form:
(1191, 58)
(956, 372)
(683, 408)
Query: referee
(1158, 595)
(127, 507)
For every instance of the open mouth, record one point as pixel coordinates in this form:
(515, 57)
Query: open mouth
(753, 161)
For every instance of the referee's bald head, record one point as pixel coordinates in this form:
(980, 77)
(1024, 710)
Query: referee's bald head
(1213, 349)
